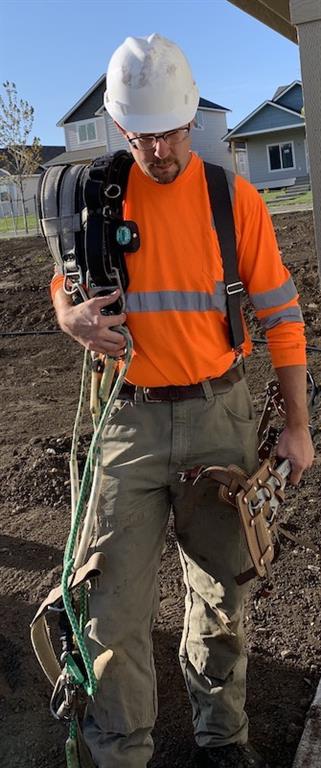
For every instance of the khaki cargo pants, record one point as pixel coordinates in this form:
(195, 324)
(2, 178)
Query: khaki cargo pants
(146, 445)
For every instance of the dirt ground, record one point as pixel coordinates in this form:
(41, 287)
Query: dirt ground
(38, 396)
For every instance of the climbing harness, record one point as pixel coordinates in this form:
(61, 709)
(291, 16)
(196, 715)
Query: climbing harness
(81, 217)
(257, 497)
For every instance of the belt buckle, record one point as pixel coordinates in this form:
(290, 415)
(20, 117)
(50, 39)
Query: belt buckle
(148, 398)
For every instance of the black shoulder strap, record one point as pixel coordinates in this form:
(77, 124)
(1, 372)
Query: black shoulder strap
(224, 223)
(104, 192)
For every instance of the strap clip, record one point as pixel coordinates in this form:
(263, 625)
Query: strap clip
(232, 288)
(113, 191)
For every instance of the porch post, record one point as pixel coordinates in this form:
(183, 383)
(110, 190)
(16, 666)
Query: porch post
(306, 15)
(235, 169)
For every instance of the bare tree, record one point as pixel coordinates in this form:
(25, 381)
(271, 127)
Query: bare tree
(16, 121)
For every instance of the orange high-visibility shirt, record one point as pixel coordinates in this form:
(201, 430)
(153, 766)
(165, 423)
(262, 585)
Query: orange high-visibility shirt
(176, 301)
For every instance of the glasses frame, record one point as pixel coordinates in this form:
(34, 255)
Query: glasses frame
(157, 136)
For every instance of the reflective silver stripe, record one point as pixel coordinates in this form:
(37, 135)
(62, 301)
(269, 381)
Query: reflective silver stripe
(288, 315)
(177, 301)
(275, 297)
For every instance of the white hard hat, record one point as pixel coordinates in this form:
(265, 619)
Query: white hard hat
(150, 87)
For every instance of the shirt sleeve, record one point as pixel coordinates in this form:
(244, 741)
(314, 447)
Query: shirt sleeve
(56, 283)
(266, 279)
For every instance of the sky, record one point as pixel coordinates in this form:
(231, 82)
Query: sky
(54, 50)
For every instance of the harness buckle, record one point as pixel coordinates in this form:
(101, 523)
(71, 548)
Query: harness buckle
(63, 702)
(113, 191)
(232, 288)
(100, 290)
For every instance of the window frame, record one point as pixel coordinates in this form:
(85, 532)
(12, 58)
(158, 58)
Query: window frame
(280, 144)
(199, 118)
(84, 124)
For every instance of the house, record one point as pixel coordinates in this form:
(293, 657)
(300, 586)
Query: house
(300, 21)
(10, 194)
(274, 139)
(90, 131)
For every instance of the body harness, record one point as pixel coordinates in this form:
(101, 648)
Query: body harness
(81, 215)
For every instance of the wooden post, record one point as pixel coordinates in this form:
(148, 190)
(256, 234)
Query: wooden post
(306, 15)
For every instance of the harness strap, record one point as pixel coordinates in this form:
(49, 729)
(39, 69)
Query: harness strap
(224, 223)
(49, 204)
(104, 193)
(40, 634)
(70, 222)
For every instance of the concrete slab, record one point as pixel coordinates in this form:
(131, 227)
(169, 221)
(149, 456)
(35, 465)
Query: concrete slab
(308, 754)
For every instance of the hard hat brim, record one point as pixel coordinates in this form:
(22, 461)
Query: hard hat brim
(154, 123)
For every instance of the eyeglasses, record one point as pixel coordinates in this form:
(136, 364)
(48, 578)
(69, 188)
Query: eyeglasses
(149, 142)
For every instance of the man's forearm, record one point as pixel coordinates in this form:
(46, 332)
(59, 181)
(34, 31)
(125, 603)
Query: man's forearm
(62, 301)
(293, 385)
(295, 441)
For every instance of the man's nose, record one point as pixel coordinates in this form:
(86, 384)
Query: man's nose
(162, 149)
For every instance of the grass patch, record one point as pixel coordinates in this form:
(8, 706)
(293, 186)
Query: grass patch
(6, 224)
(288, 198)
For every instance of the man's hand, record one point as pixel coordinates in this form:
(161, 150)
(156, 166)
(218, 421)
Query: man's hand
(295, 441)
(85, 323)
(295, 444)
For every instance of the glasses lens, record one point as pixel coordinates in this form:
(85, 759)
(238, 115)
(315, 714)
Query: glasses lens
(175, 137)
(171, 138)
(145, 142)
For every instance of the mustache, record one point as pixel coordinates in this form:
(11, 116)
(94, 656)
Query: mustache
(161, 163)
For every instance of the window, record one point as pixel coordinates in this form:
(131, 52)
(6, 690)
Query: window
(4, 197)
(199, 121)
(281, 156)
(86, 132)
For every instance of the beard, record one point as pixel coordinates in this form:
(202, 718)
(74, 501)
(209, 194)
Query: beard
(164, 172)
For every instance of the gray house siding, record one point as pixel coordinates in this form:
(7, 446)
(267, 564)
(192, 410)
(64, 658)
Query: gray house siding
(269, 117)
(10, 195)
(293, 99)
(259, 171)
(71, 134)
(114, 139)
(207, 142)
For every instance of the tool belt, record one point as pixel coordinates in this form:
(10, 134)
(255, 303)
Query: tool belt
(173, 393)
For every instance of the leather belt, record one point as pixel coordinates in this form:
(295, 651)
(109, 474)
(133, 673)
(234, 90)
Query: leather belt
(173, 393)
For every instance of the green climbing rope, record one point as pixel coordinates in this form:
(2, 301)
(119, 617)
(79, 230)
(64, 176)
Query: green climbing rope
(80, 496)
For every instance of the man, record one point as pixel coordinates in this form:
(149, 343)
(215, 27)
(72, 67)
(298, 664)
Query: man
(185, 403)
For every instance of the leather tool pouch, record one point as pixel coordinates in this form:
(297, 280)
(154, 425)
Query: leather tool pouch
(253, 498)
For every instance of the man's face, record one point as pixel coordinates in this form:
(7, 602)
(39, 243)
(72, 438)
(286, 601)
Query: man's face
(167, 159)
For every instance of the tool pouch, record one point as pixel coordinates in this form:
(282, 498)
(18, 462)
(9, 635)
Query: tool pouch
(259, 520)
(253, 498)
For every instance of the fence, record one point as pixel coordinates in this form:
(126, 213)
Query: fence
(12, 221)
